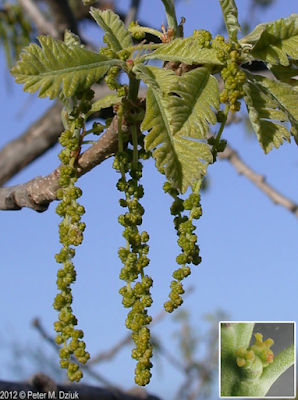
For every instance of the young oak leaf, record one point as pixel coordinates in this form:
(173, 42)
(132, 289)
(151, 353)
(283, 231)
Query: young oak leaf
(116, 34)
(56, 67)
(285, 96)
(182, 159)
(230, 13)
(105, 102)
(286, 74)
(192, 109)
(188, 50)
(275, 42)
(268, 107)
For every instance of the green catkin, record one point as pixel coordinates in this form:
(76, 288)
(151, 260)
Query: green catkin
(187, 241)
(232, 75)
(71, 234)
(136, 295)
(112, 75)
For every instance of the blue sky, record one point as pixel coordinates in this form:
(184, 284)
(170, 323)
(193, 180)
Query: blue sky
(248, 244)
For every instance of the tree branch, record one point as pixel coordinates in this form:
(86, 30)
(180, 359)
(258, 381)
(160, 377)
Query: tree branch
(259, 180)
(41, 191)
(38, 138)
(34, 142)
(41, 383)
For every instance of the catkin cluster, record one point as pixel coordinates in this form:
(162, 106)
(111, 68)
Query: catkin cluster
(112, 75)
(136, 295)
(255, 358)
(136, 30)
(187, 241)
(71, 234)
(232, 75)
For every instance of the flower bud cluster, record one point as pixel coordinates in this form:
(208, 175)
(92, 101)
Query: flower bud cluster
(262, 349)
(234, 79)
(222, 48)
(71, 234)
(255, 358)
(187, 241)
(134, 259)
(203, 37)
(218, 146)
(232, 75)
(136, 33)
(112, 75)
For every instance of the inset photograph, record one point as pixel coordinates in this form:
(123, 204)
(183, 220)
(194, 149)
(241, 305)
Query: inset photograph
(257, 359)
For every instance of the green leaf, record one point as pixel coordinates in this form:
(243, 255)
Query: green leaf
(184, 160)
(275, 41)
(56, 67)
(188, 51)
(262, 107)
(116, 34)
(171, 15)
(286, 98)
(286, 74)
(157, 78)
(105, 102)
(230, 13)
(71, 39)
(191, 109)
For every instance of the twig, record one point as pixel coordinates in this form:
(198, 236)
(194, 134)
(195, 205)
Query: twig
(34, 142)
(38, 138)
(259, 180)
(41, 191)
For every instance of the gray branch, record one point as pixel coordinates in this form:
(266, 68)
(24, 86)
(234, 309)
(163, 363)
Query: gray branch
(259, 180)
(33, 143)
(41, 383)
(41, 191)
(37, 139)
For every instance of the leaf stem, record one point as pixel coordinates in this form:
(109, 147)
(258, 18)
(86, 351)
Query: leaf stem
(133, 88)
(135, 145)
(119, 123)
(145, 29)
(171, 16)
(218, 136)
